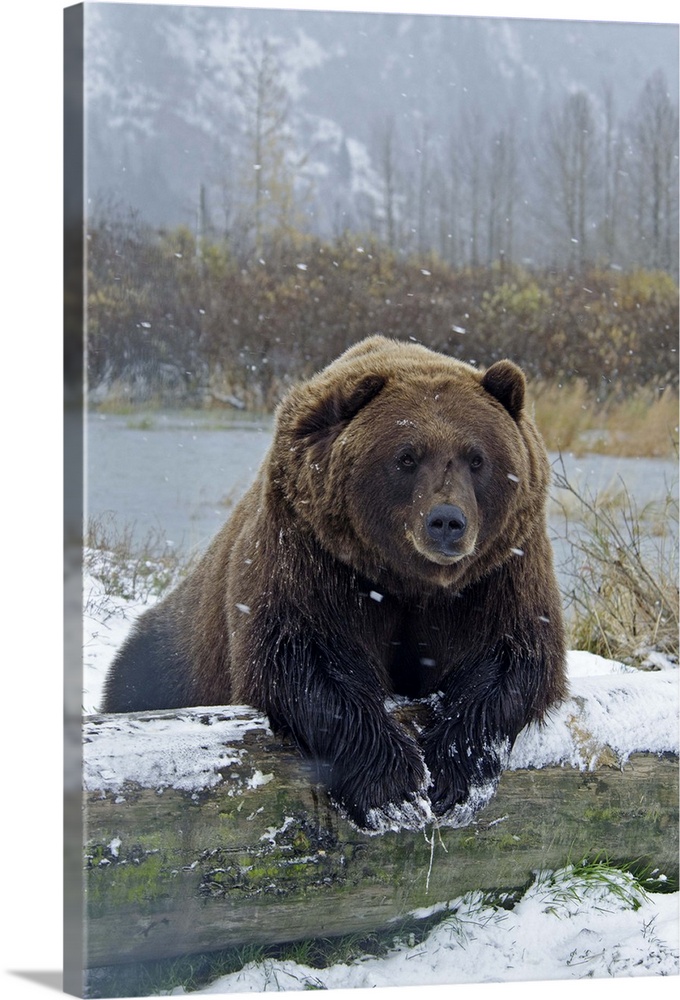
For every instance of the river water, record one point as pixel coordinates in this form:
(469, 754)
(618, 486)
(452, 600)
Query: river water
(176, 476)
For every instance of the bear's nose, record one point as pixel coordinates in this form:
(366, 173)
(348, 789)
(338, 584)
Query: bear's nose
(446, 524)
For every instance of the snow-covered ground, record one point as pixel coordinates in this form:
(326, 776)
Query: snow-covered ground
(563, 928)
(568, 925)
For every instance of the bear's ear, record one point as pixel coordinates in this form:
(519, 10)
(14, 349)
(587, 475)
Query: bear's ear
(336, 406)
(505, 382)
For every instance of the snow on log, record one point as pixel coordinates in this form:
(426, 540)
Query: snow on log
(204, 830)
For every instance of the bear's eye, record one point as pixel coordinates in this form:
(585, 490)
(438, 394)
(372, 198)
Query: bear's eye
(476, 461)
(407, 461)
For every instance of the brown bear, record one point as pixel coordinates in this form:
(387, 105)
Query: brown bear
(393, 543)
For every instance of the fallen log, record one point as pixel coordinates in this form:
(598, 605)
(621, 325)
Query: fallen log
(203, 830)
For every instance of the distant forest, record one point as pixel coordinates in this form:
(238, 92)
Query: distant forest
(239, 306)
(579, 188)
(175, 320)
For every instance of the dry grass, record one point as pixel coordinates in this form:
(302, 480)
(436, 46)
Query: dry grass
(623, 598)
(126, 566)
(571, 418)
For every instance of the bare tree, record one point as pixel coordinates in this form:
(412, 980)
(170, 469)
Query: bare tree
(265, 104)
(470, 138)
(569, 173)
(424, 193)
(655, 167)
(387, 158)
(612, 180)
(502, 191)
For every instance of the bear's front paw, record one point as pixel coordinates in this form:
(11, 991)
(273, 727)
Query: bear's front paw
(387, 795)
(463, 782)
(413, 813)
(460, 809)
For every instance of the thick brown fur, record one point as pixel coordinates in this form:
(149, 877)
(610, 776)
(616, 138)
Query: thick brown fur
(394, 542)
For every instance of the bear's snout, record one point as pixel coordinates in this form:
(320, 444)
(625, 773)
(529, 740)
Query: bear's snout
(445, 526)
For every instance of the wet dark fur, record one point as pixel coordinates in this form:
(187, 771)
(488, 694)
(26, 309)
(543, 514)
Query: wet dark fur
(325, 593)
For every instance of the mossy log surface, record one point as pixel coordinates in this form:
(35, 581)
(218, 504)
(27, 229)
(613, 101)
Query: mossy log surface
(258, 854)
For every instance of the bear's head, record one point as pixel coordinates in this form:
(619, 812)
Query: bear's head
(412, 466)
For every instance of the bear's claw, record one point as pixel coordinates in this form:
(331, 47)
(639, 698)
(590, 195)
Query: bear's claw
(462, 813)
(413, 814)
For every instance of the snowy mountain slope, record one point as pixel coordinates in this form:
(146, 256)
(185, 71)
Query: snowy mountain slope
(164, 118)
